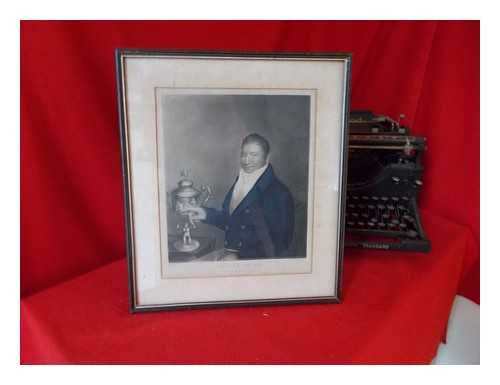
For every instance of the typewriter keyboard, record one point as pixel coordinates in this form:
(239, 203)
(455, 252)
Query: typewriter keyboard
(384, 216)
(391, 215)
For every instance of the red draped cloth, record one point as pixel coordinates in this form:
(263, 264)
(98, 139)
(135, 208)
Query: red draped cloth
(395, 310)
(73, 277)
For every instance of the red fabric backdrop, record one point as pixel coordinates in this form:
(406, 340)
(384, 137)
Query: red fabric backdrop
(71, 191)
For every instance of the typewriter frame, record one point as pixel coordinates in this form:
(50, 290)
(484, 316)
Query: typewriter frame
(370, 136)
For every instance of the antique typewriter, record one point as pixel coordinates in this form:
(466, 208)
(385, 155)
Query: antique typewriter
(383, 181)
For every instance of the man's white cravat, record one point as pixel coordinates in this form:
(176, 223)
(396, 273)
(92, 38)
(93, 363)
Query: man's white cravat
(243, 186)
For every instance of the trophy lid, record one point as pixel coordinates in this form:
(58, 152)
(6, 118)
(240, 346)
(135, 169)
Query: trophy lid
(185, 188)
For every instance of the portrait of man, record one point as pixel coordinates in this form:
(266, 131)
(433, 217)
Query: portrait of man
(252, 150)
(257, 214)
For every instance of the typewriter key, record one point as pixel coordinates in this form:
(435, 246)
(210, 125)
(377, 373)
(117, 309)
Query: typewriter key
(371, 207)
(390, 207)
(350, 223)
(405, 199)
(374, 220)
(412, 233)
(381, 225)
(384, 199)
(361, 223)
(395, 199)
(365, 198)
(371, 224)
(374, 198)
(403, 226)
(381, 207)
(395, 221)
(407, 218)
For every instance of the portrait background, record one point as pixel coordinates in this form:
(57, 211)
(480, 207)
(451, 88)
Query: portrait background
(203, 133)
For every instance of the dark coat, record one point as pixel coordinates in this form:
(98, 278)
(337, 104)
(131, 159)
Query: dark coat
(262, 225)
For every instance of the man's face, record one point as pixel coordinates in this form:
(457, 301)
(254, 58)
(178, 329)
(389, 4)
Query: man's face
(252, 157)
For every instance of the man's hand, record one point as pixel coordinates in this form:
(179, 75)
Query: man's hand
(194, 213)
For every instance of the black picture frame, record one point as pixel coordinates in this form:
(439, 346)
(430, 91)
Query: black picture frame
(121, 78)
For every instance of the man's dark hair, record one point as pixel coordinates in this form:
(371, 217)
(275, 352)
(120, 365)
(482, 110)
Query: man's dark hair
(260, 140)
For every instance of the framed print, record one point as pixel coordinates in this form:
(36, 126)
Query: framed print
(234, 168)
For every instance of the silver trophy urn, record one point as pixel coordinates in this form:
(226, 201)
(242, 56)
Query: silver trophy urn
(184, 197)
